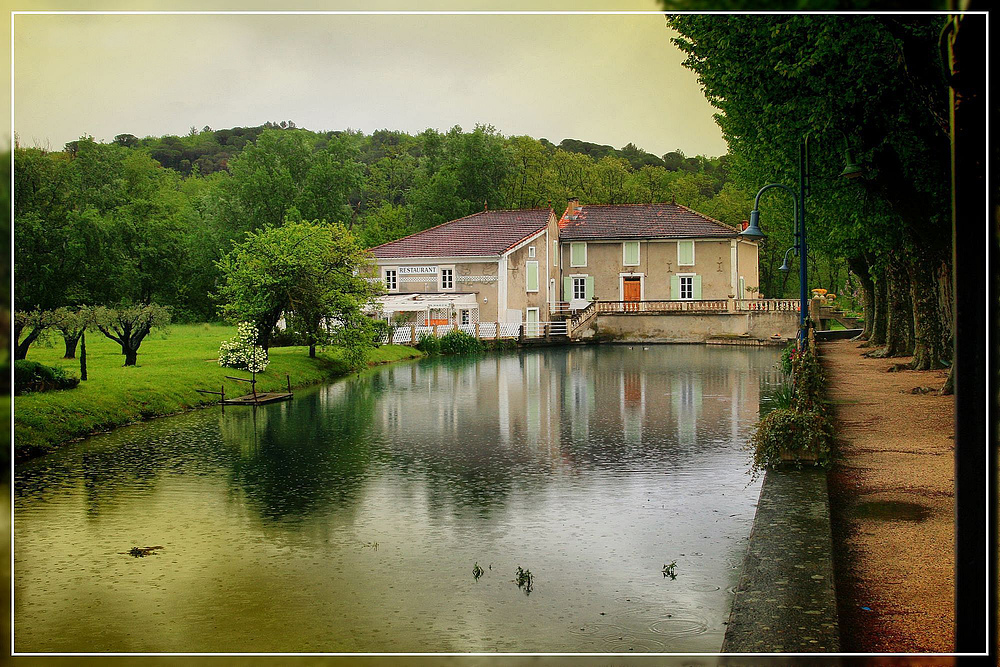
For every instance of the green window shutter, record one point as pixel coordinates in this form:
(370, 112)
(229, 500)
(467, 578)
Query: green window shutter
(588, 288)
(631, 253)
(696, 287)
(685, 253)
(578, 254)
(531, 277)
(567, 289)
(675, 287)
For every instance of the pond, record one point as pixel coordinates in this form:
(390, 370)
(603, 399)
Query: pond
(350, 518)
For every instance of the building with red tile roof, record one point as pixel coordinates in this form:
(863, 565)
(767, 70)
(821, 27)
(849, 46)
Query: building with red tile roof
(651, 252)
(522, 265)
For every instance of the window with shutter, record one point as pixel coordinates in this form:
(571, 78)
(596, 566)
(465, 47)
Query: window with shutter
(630, 253)
(685, 253)
(531, 277)
(578, 254)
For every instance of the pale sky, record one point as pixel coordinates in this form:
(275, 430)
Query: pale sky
(609, 79)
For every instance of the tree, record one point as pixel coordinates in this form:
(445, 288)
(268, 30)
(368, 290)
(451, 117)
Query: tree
(313, 270)
(30, 323)
(72, 323)
(128, 325)
(284, 171)
(778, 78)
(383, 224)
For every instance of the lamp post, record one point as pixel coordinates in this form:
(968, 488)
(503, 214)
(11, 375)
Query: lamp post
(753, 232)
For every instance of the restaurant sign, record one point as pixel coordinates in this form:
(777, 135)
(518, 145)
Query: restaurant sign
(417, 270)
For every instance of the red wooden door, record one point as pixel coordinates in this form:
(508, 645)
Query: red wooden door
(630, 292)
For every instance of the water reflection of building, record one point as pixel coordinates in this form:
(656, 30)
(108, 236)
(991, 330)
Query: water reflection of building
(554, 402)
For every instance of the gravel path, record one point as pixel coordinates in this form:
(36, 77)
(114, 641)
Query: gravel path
(892, 504)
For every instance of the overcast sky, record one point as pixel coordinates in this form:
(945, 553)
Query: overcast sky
(606, 79)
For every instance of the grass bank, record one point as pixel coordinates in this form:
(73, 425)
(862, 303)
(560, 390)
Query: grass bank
(173, 364)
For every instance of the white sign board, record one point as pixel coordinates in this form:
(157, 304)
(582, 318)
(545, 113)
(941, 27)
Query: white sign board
(417, 270)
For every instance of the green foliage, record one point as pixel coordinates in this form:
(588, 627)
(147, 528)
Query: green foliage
(500, 344)
(781, 397)
(786, 358)
(241, 352)
(31, 376)
(787, 435)
(175, 364)
(797, 427)
(314, 271)
(457, 341)
(128, 325)
(808, 381)
(428, 343)
(286, 175)
(380, 331)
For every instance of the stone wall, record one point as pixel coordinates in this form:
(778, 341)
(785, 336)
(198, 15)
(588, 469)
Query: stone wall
(690, 327)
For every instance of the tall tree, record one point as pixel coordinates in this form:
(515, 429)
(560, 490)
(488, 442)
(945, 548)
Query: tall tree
(313, 270)
(778, 78)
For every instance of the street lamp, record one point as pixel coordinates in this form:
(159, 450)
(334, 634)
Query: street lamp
(753, 232)
(784, 268)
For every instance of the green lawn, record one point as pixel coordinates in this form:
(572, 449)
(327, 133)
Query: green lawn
(173, 363)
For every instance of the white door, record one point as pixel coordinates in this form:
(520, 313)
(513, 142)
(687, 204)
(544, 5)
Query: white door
(531, 327)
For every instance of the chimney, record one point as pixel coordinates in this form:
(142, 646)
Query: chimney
(572, 206)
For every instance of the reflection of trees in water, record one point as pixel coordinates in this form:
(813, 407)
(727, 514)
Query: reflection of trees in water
(304, 455)
(129, 463)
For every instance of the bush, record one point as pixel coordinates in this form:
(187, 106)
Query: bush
(381, 331)
(790, 436)
(32, 376)
(781, 397)
(786, 358)
(457, 341)
(241, 352)
(796, 428)
(428, 343)
(808, 381)
(501, 344)
(287, 337)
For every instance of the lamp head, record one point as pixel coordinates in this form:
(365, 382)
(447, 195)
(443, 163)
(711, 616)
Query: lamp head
(752, 232)
(852, 169)
(784, 266)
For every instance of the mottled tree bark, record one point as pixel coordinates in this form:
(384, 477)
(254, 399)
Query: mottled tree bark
(899, 328)
(880, 319)
(859, 268)
(71, 343)
(927, 348)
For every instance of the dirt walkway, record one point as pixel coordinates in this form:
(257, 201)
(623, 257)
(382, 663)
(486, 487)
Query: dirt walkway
(892, 496)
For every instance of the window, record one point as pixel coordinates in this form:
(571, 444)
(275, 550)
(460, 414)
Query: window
(465, 317)
(531, 251)
(685, 253)
(531, 277)
(580, 288)
(687, 287)
(555, 253)
(447, 278)
(630, 253)
(578, 254)
(390, 279)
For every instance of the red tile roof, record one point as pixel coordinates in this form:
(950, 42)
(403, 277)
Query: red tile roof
(481, 234)
(640, 221)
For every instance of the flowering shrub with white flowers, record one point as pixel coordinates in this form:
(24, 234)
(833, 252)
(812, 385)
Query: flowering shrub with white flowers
(240, 351)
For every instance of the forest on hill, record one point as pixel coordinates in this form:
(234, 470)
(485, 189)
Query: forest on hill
(147, 219)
